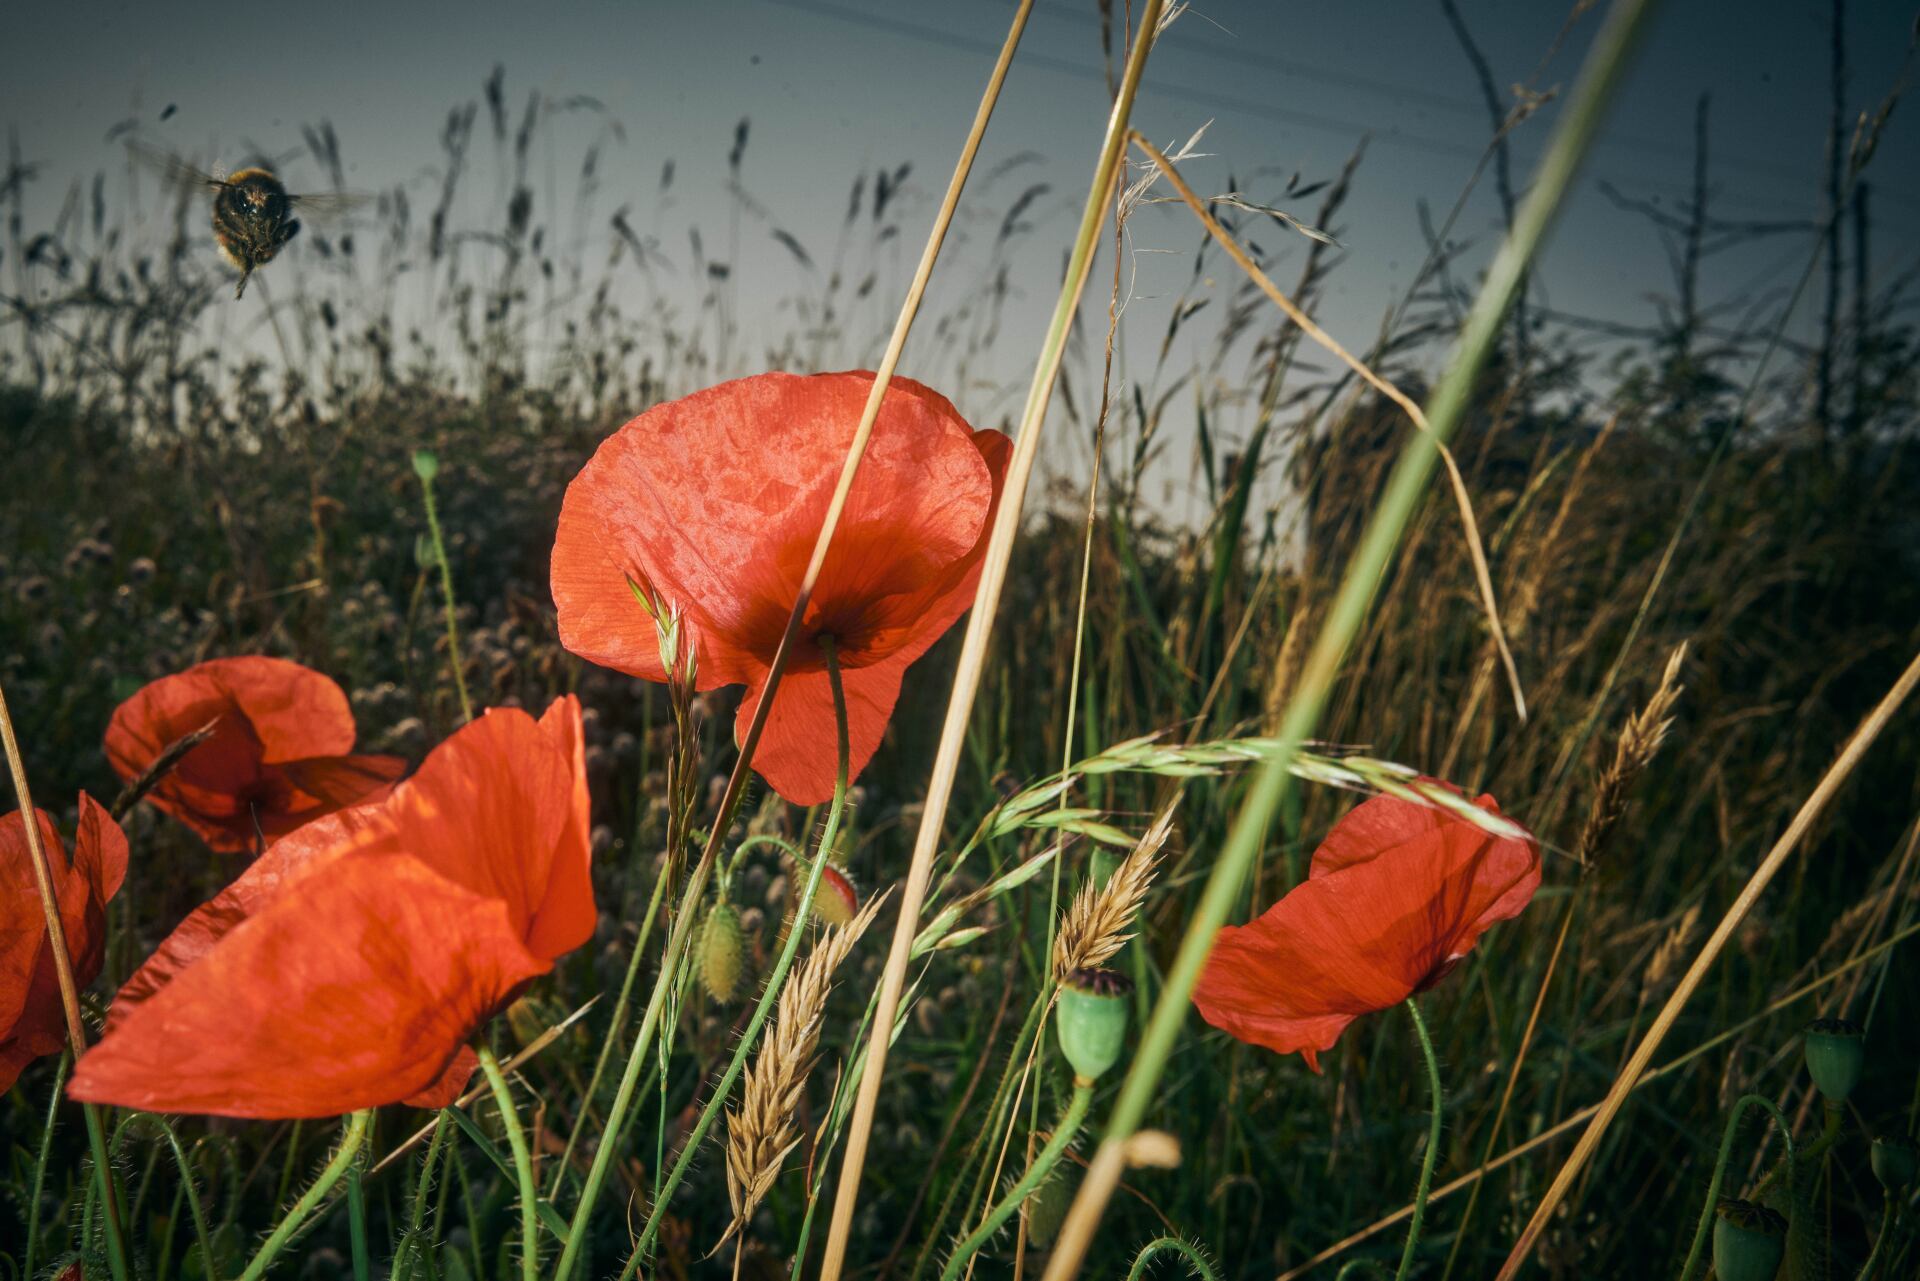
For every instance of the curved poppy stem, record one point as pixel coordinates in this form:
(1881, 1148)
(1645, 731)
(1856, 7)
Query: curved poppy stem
(351, 1139)
(1745, 1101)
(775, 981)
(1197, 1260)
(1433, 1140)
(1063, 1135)
(522, 1165)
(40, 1162)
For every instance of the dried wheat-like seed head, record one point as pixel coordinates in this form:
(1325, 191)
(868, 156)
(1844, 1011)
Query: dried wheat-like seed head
(1639, 742)
(762, 1130)
(1099, 921)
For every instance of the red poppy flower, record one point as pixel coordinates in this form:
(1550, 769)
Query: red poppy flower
(348, 966)
(711, 504)
(278, 757)
(32, 1020)
(1397, 894)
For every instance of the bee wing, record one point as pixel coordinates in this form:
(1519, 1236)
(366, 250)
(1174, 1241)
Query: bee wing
(171, 168)
(332, 204)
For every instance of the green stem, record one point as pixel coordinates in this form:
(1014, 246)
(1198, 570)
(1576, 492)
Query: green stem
(1036, 1174)
(410, 1246)
(522, 1164)
(103, 1175)
(40, 1162)
(1433, 1140)
(446, 591)
(1698, 1251)
(357, 1221)
(614, 1028)
(348, 1152)
(1195, 1257)
(771, 993)
(1364, 574)
(1880, 1239)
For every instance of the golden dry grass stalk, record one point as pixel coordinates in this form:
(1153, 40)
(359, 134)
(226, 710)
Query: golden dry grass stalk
(1639, 742)
(1099, 921)
(764, 1129)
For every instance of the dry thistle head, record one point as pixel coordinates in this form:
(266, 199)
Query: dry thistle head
(1639, 742)
(1099, 921)
(763, 1130)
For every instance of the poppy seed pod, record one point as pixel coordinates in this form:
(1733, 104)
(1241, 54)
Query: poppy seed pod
(426, 464)
(1092, 1021)
(1896, 1161)
(722, 953)
(1748, 1241)
(1836, 1055)
(837, 901)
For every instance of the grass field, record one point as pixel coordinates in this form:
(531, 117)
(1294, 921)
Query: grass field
(1716, 525)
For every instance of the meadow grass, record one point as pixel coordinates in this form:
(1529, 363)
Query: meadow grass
(1701, 548)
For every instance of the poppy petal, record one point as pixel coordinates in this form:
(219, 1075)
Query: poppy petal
(566, 917)
(452, 1082)
(754, 463)
(356, 992)
(1366, 933)
(339, 781)
(797, 750)
(487, 808)
(363, 830)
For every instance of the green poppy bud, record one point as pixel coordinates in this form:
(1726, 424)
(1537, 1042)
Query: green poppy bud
(1748, 1241)
(1896, 1161)
(426, 464)
(1092, 1020)
(1836, 1055)
(722, 953)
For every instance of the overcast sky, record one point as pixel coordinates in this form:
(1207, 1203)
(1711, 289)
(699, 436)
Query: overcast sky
(834, 87)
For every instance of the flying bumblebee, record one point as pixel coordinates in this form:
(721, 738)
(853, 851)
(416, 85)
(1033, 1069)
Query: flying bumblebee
(252, 209)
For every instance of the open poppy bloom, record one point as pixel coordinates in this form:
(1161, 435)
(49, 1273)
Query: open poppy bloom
(349, 965)
(1397, 894)
(278, 758)
(710, 505)
(32, 1020)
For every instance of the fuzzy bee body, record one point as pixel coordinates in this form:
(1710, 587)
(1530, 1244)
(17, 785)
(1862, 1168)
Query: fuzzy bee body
(252, 209)
(252, 220)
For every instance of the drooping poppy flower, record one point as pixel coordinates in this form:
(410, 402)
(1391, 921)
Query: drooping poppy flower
(1397, 894)
(280, 754)
(710, 505)
(32, 1019)
(349, 965)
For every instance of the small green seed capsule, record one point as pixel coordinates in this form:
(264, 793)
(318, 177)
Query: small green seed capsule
(1896, 1161)
(1092, 1020)
(722, 953)
(426, 464)
(1836, 1055)
(1748, 1242)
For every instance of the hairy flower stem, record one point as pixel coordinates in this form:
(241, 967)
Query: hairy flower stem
(446, 592)
(1698, 1251)
(410, 1246)
(771, 994)
(522, 1165)
(344, 1157)
(1196, 1259)
(1036, 1174)
(1433, 1140)
(357, 1222)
